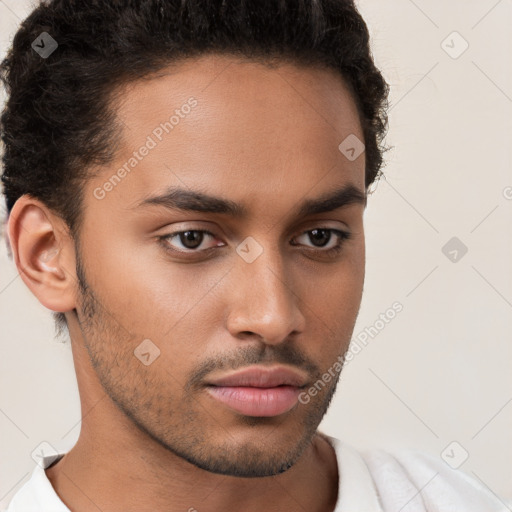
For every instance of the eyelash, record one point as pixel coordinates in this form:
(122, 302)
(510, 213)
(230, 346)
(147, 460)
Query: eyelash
(333, 252)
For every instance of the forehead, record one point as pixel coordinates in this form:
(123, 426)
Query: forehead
(234, 127)
(234, 93)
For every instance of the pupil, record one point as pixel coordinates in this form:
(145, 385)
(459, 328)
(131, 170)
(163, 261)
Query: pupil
(316, 238)
(191, 236)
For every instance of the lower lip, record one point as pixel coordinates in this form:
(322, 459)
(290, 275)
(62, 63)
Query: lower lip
(252, 401)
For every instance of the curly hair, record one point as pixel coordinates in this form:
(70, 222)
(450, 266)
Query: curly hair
(59, 120)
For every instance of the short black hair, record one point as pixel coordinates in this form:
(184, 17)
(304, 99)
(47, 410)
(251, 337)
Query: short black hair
(59, 120)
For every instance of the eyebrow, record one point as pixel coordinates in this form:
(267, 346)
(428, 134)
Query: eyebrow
(176, 198)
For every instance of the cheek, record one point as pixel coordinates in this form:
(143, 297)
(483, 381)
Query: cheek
(334, 303)
(336, 288)
(152, 297)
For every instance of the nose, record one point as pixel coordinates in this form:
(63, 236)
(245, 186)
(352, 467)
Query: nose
(263, 301)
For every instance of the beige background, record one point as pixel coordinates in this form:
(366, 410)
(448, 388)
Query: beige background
(440, 370)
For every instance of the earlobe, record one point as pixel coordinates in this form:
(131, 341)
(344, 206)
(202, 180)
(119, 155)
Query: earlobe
(43, 253)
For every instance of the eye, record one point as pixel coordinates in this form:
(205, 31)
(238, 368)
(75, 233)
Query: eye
(324, 241)
(190, 240)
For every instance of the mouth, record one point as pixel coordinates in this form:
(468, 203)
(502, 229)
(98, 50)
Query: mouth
(259, 390)
(256, 401)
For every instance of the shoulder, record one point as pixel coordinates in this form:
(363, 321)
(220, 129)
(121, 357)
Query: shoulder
(37, 493)
(428, 482)
(413, 481)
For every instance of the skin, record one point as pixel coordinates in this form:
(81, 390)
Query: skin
(151, 437)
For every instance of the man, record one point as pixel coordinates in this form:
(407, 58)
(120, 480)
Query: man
(186, 183)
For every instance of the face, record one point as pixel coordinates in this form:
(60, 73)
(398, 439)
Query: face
(177, 290)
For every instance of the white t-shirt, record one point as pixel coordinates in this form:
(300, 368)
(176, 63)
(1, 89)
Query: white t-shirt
(369, 481)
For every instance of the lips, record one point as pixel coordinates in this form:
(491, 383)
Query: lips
(259, 391)
(261, 377)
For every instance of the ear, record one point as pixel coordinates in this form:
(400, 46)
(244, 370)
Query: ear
(44, 253)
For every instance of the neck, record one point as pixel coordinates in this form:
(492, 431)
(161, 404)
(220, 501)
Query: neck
(122, 475)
